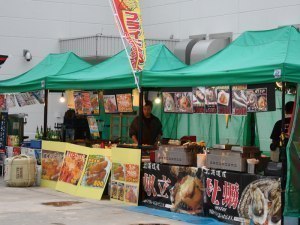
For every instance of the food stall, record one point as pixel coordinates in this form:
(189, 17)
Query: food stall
(263, 62)
(225, 68)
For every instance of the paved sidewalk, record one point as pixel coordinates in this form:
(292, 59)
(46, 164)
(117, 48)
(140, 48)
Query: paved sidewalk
(23, 206)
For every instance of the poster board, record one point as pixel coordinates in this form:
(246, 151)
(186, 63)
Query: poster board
(233, 197)
(96, 172)
(3, 129)
(164, 187)
(51, 160)
(125, 176)
(72, 168)
(94, 131)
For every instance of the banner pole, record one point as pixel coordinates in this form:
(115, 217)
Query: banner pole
(117, 20)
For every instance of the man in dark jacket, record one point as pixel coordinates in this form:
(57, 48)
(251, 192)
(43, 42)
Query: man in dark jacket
(152, 128)
(276, 132)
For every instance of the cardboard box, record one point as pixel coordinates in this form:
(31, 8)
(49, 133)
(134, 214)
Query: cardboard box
(226, 160)
(175, 155)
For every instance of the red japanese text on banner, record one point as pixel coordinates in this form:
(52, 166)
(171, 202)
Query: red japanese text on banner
(130, 21)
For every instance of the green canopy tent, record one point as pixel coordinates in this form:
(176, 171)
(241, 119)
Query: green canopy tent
(254, 57)
(115, 72)
(35, 79)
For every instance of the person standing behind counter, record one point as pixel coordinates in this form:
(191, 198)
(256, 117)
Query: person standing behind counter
(276, 132)
(69, 125)
(152, 128)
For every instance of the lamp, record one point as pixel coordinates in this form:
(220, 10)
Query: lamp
(62, 98)
(27, 55)
(279, 84)
(157, 100)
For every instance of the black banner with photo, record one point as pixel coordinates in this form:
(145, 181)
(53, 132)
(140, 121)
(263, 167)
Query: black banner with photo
(242, 198)
(173, 188)
(3, 129)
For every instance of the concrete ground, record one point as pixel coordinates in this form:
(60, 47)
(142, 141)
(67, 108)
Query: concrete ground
(23, 206)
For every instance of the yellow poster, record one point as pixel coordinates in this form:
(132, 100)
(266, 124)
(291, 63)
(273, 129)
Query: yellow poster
(51, 160)
(72, 168)
(96, 173)
(125, 177)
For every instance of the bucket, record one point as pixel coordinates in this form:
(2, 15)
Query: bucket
(20, 171)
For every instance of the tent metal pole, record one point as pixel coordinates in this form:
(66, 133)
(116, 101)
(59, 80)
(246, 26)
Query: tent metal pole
(46, 113)
(140, 122)
(283, 153)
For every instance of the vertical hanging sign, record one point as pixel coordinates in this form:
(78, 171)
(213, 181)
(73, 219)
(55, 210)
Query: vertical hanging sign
(128, 17)
(3, 58)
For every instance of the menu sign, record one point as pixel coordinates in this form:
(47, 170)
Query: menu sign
(169, 102)
(72, 167)
(124, 102)
(94, 131)
(199, 100)
(239, 100)
(78, 102)
(179, 102)
(86, 103)
(110, 104)
(94, 97)
(2, 103)
(211, 100)
(51, 164)
(224, 100)
(125, 175)
(10, 101)
(184, 102)
(3, 129)
(96, 171)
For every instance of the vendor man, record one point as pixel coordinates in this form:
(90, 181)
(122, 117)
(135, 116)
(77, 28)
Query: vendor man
(152, 128)
(276, 132)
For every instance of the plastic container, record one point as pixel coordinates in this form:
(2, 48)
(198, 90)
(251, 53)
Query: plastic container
(20, 171)
(36, 144)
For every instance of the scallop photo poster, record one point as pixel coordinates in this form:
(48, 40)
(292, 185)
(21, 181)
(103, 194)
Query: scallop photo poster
(242, 198)
(224, 100)
(199, 100)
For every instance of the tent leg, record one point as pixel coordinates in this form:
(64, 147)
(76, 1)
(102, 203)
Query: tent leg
(140, 134)
(45, 114)
(283, 155)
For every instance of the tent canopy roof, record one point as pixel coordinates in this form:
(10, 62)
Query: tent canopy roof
(115, 72)
(53, 65)
(252, 58)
